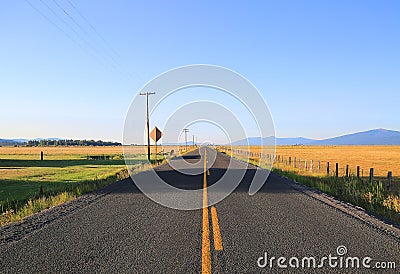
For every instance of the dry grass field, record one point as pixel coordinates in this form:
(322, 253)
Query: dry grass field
(56, 153)
(381, 158)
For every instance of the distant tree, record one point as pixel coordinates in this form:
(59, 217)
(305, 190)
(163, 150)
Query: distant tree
(70, 142)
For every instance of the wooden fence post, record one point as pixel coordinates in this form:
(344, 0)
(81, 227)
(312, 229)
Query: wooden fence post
(290, 161)
(347, 170)
(41, 156)
(319, 166)
(327, 168)
(371, 174)
(337, 170)
(389, 185)
(358, 172)
(294, 162)
(41, 191)
(311, 165)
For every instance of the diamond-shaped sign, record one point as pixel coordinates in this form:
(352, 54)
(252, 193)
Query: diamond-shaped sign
(155, 134)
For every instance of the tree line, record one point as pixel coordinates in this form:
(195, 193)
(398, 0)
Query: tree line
(35, 143)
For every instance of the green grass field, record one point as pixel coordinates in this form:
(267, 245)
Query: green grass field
(21, 179)
(22, 174)
(64, 174)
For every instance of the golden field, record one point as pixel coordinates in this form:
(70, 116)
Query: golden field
(71, 152)
(381, 158)
(52, 153)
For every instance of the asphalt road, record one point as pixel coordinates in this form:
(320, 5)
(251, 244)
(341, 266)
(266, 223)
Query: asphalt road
(123, 231)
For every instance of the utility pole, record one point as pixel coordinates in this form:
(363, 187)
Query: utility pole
(147, 121)
(193, 141)
(185, 130)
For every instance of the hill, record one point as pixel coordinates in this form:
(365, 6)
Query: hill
(370, 137)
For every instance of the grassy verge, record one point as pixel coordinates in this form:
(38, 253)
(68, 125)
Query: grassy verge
(20, 209)
(372, 196)
(23, 208)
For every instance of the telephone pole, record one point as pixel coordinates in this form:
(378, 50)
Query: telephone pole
(186, 130)
(147, 121)
(193, 141)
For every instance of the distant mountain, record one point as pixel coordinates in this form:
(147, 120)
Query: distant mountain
(26, 140)
(9, 142)
(293, 141)
(13, 142)
(370, 137)
(251, 141)
(20, 140)
(44, 139)
(256, 141)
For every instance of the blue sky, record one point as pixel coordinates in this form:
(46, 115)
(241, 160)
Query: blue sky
(325, 68)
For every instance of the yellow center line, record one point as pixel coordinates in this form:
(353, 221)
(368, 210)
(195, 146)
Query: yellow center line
(205, 244)
(216, 230)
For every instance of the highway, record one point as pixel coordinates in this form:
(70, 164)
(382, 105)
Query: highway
(123, 231)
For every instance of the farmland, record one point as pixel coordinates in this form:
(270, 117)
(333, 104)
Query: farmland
(66, 172)
(22, 171)
(381, 158)
(63, 169)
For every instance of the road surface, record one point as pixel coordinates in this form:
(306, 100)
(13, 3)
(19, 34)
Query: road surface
(123, 231)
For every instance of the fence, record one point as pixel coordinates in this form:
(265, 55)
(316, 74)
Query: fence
(318, 167)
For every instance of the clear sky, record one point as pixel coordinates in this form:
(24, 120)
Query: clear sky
(325, 68)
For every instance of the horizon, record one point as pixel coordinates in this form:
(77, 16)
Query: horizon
(77, 77)
(190, 141)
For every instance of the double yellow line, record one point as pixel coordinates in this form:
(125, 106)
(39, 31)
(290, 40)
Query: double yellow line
(205, 244)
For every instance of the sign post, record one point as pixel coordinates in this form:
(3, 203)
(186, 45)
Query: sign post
(156, 135)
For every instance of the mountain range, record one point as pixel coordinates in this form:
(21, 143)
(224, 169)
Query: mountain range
(370, 137)
(12, 142)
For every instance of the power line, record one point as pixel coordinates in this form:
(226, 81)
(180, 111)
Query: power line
(73, 29)
(57, 27)
(62, 30)
(104, 58)
(93, 28)
(82, 29)
(49, 20)
(100, 36)
(70, 17)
